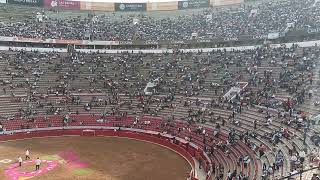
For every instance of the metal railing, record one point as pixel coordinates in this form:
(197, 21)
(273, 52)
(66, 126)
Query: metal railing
(299, 173)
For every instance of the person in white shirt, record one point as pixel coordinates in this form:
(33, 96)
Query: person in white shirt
(302, 155)
(293, 160)
(269, 122)
(246, 161)
(314, 154)
(229, 174)
(20, 161)
(270, 170)
(38, 163)
(27, 154)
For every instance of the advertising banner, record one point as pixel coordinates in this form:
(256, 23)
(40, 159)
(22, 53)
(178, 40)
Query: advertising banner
(4, 38)
(162, 6)
(193, 4)
(102, 43)
(23, 39)
(259, 37)
(62, 41)
(103, 6)
(130, 6)
(26, 2)
(96, 6)
(225, 2)
(274, 35)
(313, 30)
(61, 4)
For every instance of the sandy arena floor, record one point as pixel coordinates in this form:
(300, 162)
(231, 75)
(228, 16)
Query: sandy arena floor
(91, 158)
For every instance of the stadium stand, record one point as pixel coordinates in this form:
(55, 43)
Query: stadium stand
(253, 112)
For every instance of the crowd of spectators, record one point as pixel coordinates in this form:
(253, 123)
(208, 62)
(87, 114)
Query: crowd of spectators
(248, 20)
(191, 87)
(63, 84)
(114, 84)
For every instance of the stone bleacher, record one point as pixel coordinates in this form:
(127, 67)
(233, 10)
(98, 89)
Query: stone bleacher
(44, 100)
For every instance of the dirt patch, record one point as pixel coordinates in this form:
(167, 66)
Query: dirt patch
(95, 158)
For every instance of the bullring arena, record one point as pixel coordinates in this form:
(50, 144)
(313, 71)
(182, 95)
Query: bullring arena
(96, 152)
(106, 158)
(159, 90)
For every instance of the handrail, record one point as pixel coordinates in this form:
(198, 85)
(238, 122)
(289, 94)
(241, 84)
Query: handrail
(299, 173)
(160, 51)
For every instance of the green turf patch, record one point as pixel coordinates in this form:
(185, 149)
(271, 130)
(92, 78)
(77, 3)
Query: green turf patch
(51, 158)
(81, 171)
